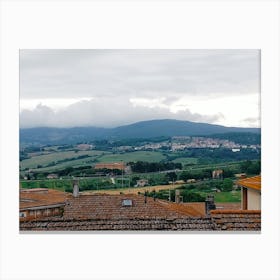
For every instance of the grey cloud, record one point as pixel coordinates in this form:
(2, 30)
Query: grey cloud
(102, 112)
(252, 122)
(132, 73)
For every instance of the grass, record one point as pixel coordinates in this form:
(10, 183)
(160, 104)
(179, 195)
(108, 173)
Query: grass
(71, 163)
(234, 196)
(56, 156)
(185, 160)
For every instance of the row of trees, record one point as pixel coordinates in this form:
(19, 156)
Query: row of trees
(188, 196)
(144, 166)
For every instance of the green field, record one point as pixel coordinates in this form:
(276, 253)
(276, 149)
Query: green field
(44, 160)
(185, 161)
(59, 160)
(70, 163)
(234, 196)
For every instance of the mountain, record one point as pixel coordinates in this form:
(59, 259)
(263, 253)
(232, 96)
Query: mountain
(144, 129)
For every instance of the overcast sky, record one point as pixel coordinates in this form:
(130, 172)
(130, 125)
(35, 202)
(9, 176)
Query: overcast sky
(66, 88)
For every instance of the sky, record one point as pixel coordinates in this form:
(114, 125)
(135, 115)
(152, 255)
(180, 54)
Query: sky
(109, 88)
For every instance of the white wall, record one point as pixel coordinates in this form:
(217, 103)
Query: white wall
(254, 199)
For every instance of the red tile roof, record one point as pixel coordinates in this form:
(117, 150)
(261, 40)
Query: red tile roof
(102, 206)
(252, 182)
(41, 197)
(139, 224)
(246, 220)
(236, 220)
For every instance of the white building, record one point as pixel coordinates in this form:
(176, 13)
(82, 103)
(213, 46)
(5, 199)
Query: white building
(250, 193)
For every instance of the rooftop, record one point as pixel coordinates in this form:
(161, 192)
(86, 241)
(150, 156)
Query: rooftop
(102, 206)
(40, 197)
(227, 220)
(252, 182)
(236, 220)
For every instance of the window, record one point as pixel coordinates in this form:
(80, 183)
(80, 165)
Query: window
(127, 202)
(22, 214)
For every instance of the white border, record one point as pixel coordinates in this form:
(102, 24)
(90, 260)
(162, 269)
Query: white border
(191, 24)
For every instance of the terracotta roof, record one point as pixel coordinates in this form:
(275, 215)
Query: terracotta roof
(228, 205)
(252, 183)
(30, 198)
(102, 206)
(237, 220)
(246, 220)
(140, 224)
(194, 209)
(108, 212)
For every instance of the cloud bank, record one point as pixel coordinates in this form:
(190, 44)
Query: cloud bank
(115, 87)
(104, 113)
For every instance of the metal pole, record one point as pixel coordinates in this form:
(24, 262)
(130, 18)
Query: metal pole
(122, 176)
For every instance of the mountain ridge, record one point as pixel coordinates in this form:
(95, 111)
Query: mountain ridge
(142, 129)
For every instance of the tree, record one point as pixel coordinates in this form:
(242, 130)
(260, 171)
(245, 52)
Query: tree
(227, 173)
(185, 175)
(227, 185)
(171, 176)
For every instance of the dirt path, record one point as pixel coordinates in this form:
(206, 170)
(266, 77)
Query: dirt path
(135, 190)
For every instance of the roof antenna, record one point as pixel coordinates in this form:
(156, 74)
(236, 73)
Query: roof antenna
(154, 195)
(145, 196)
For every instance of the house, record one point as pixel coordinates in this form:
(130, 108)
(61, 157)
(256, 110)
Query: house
(52, 176)
(250, 193)
(191, 181)
(142, 183)
(84, 147)
(217, 174)
(127, 212)
(136, 212)
(240, 175)
(40, 202)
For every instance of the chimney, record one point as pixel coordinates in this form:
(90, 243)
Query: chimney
(75, 188)
(209, 204)
(177, 196)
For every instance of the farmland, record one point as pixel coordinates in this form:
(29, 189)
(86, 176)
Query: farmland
(52, 159)
(56, 157)
(160, 167)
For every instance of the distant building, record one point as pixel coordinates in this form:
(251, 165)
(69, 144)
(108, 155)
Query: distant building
(191, 181)
(84, 147)
(240, 175)
(52, 176)
(217, 174)
(250, 193)
(38, 203)
(142, 183)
